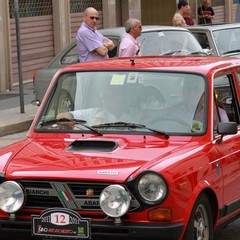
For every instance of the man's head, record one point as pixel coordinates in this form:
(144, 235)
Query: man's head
(90, 17)
(134, 27)
(187, 11)
(182, 4)
(207, 3)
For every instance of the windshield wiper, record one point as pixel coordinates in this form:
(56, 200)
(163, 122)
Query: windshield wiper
(185, 52)
(52, 121)
(232, 51)
(170, 52)
(130, 125)
(76, 121)
(198, 53)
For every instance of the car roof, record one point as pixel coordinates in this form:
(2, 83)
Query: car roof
(213, 27)
(181, 63)
(120, 31)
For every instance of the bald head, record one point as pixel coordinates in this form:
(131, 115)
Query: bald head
(89, 11)
(90, 17)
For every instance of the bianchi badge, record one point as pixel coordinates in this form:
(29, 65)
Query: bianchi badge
(89, 192)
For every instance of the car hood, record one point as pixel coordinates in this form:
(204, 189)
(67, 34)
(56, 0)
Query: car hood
(104, 159)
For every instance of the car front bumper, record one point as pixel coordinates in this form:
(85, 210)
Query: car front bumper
(19, 229)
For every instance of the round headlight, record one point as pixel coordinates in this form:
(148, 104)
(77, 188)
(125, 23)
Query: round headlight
(152, 187)
(11, 197)
(115, 200)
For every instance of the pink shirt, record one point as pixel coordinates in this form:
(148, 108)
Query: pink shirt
(129, 46)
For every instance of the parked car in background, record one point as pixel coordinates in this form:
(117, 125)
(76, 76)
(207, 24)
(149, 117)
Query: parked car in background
(220, 39)
(135, 148)
(155, 40)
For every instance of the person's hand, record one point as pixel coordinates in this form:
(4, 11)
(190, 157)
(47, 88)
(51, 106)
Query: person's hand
(108, 43)
(67, 115)
(70, 124)
(95, 53)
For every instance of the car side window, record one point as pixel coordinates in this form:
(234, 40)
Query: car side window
(70, 57)
(203, 40)
(114, 51)
(238, 78)
(226, 107)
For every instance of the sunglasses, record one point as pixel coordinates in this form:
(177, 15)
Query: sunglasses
(97, 18)
(140, 27)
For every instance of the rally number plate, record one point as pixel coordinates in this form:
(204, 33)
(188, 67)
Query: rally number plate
(62, 223)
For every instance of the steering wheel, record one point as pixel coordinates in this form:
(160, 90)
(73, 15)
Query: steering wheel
(171, 119)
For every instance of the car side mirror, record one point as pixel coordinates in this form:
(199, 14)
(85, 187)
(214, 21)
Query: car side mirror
(225, 128)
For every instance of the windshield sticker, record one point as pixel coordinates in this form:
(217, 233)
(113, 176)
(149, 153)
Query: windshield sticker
(132, 77)
(140, 79)
(161, 34)
(117, 79)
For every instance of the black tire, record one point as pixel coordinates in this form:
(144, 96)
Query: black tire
(200, 224)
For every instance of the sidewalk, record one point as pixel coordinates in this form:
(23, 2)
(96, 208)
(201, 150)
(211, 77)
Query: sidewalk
(12, 120)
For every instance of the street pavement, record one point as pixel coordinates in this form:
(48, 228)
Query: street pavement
(12, 138)
(16, 117)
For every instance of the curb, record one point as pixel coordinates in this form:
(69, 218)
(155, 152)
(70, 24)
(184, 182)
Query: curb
(14, 122)
(15, 127)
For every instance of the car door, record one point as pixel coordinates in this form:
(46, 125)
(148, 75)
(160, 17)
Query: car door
(206, 40)
(228, 164)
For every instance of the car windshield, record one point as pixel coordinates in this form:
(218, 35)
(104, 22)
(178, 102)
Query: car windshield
(227, 40)
(168, 42)
(126, 101)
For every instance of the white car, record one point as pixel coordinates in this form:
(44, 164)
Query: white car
(219, 39)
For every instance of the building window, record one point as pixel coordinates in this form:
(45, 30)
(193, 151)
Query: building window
(81, 5)
(31, 8)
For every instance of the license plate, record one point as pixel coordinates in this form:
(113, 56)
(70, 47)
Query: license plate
(61, 222)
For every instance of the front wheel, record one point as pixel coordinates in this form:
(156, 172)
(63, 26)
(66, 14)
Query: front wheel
(200, 224)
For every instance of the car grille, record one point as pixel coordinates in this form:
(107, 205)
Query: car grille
(72, 195)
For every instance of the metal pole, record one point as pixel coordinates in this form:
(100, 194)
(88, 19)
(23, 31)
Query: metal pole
(16, 9)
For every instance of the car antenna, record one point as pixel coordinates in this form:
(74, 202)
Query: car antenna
(132, 60)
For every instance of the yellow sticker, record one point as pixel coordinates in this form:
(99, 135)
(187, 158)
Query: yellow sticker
(118, 79)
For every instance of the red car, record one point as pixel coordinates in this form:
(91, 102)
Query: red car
(128, 148)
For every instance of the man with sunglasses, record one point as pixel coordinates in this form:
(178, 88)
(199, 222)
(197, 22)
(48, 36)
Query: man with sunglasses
(91, 44)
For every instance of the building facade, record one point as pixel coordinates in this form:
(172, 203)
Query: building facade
(47, 26)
